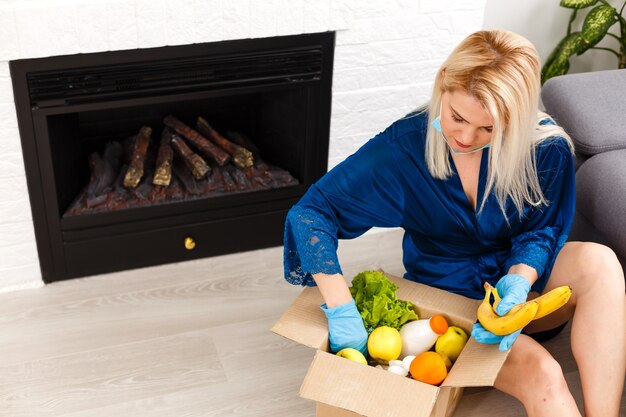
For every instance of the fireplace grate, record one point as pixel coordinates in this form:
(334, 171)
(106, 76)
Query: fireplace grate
(123, 81)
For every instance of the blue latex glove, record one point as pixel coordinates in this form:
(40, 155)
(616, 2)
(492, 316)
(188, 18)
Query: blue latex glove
(345, 327)
(513, 289)
(485, 336)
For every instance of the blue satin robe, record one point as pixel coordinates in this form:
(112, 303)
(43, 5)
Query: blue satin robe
(446, 244)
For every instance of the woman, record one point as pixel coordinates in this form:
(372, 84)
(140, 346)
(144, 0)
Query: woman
(484, 186)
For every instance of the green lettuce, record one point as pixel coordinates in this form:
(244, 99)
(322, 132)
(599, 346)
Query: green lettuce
(375, 298)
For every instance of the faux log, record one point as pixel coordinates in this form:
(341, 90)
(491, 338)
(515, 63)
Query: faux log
(95, 186)
(136, 164)
(242, 157)
(229, 182)
(240, 178)
(165, 156)
(104, 170)
(175, 191)
(190, 183)
(257, 179)
(197, 140)
(118, 185)
(194, 162)
(264, 174)
(143, 192)
(243, 140)
(281, 178)
(158, 194)
(215, 181)
(261, 168)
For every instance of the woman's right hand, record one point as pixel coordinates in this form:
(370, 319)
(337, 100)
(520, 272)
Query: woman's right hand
(345, 327)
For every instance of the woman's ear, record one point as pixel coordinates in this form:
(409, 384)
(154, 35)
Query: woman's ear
(443, 73)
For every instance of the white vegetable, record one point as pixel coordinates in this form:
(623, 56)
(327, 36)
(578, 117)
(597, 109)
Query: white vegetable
(406, 362)
(398, 370)
(395, 363)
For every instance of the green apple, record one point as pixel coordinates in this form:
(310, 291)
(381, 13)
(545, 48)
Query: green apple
(352, 354)
(451, 343)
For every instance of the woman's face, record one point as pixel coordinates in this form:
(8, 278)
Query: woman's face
(465, 123)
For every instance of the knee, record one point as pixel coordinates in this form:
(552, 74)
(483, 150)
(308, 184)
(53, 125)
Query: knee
(545, 380)
(598, 265)
(532, 375)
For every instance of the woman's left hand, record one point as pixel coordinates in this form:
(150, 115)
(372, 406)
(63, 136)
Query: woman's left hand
(513, 289)
(483, 335)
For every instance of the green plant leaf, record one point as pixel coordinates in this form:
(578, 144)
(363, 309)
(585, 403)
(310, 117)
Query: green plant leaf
(572, 44)
(596, 25)
(558, 61)
(577, 4)
(555, 52)
(559, 66)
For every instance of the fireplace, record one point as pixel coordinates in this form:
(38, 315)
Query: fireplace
(270, 96)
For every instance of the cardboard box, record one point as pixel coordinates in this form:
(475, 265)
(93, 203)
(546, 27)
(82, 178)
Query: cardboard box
(344, 388)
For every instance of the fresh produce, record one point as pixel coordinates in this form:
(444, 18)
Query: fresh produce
(446, 361)
(406, 362)
(398, 368)
(384, 344)
(420, 335)
(521, 314)
(353, 355)
(375, 297)
(429, 367)
(509, 323)
(548, 302)
(451, 343)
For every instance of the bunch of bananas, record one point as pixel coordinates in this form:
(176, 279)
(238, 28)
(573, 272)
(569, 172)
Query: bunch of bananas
(521, 314)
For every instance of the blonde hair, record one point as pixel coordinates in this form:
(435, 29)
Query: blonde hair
(502, 71)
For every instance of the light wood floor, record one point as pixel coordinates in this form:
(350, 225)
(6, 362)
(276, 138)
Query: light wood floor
(182, 340)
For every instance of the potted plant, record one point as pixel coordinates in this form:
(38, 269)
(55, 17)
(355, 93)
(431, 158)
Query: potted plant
(595, 27)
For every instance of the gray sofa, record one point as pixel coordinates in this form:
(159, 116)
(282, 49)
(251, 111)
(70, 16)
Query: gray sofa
(591, 107)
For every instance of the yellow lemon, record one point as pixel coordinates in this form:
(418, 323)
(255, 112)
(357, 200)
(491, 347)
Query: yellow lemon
(384, 344)
(353, 355)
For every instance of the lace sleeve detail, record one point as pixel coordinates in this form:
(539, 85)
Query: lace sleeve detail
(310, 246)
(537, 249)
(533, 249)
(365, 190)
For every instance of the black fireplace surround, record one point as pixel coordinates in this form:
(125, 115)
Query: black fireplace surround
(277, 91)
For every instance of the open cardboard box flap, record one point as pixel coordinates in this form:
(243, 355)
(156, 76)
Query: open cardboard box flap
(477, 366)
(304, 321)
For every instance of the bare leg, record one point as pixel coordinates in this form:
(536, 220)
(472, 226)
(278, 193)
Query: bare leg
(531, 375)
(598, 308)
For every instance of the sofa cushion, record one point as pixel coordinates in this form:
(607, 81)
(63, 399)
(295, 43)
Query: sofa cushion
(601, 196)
(590, 107)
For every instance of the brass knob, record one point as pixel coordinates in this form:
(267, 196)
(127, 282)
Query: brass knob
(189, 243)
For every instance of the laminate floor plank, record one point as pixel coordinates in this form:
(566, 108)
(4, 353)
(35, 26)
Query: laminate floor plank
(277, 397)
(124, 318)
(99, 377)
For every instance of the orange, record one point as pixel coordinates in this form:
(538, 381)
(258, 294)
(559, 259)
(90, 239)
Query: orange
(429, 367)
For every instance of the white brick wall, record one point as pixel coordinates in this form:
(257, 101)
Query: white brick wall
(386, 56)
